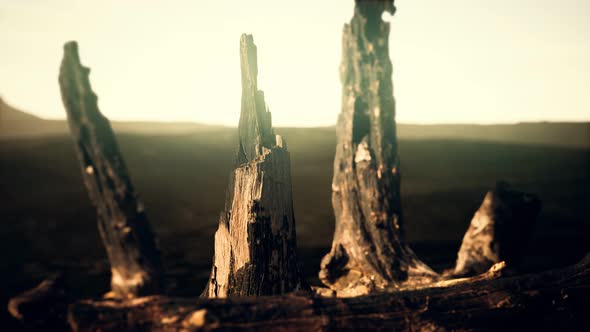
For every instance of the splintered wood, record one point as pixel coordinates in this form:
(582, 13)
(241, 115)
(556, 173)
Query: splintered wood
(375, 280)
(255, 244)
(134, 257)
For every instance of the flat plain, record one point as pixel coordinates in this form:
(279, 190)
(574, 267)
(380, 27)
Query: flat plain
(47, 223)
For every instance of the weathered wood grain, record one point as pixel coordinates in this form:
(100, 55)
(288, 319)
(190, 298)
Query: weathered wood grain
(255, 244)
(552, 300)
(127, 236)
(368, 251)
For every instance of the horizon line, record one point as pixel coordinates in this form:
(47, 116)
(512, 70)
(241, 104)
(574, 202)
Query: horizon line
(147, 121)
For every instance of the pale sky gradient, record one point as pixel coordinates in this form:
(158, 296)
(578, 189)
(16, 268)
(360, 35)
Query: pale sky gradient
(455, 61)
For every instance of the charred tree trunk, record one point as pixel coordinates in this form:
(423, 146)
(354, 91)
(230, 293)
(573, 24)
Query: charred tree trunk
(552, 300)
(499, 231)
(255, 245)
(134, 257)
(368, 251)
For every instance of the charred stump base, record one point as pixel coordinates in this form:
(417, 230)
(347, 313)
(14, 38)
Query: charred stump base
(124, 228)
(551, 300)
(255, 245)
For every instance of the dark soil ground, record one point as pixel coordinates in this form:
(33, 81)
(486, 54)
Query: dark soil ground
(48, 225)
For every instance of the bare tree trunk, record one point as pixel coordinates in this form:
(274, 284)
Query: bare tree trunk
(551, 300)
(255, 245)
(368, 252)
(135, 259)
(499, 231)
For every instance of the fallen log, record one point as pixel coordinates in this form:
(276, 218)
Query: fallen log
(499, 231)
(255, 244)
(44, 306)
(368, 251)
(551, 300)
(126, 234)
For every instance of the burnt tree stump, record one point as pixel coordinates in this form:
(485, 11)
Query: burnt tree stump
(255, 244)
(368, 251)
(499, 231)
(134, 257)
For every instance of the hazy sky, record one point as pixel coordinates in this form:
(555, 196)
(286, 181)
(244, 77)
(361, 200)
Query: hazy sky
(455, 61)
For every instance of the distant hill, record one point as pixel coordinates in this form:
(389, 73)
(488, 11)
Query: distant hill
(17, 124)
(572, 134)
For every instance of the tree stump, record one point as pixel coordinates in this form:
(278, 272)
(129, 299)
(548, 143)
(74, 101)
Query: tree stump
(368, 251)
(499, 231)
(255, 244)
(134, 257)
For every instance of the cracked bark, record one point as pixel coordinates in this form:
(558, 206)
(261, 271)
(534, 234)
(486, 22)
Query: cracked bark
(368, 251)
(255, 244)
(126, 234)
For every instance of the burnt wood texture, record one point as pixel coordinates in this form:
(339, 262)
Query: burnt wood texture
(548, 301)
(375, 281)
(368, 251)
(135, 261)
(255, 244)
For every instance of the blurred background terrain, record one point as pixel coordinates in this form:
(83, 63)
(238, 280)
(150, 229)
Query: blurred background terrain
(181, 171)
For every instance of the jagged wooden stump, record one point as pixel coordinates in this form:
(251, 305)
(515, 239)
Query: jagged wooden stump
(134, 257)
(255, 244)
(499, 231)
(368, 251)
